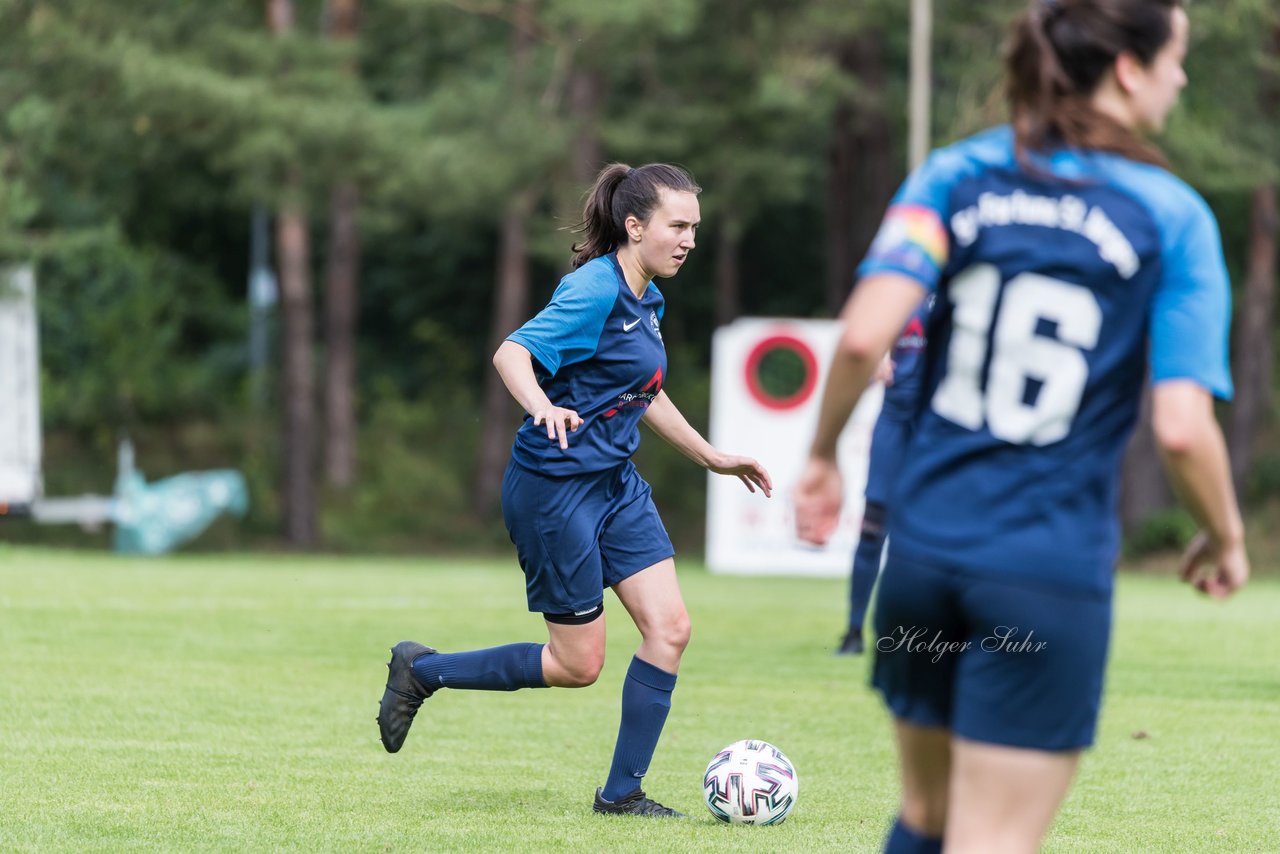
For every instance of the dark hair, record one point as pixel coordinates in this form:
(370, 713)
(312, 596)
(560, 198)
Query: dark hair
(619, 192)
(1058, 53)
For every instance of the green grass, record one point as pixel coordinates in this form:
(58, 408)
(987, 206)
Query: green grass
(226, 703)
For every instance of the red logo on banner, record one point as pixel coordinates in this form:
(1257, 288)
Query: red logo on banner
(796, 388)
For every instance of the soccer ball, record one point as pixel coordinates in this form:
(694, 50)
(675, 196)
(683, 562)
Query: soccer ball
(750, 782)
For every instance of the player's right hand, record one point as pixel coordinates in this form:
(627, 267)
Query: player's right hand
(1214, 569)
(817, 497)
(560, 423)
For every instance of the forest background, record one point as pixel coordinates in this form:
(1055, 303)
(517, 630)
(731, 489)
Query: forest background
(404, 173)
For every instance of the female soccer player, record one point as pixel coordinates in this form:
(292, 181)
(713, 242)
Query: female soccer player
(1061, 251)
(587, 369)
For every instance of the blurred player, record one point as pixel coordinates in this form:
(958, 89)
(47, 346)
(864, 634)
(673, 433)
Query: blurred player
(587, 369)
(1062, 253)
(901, 376)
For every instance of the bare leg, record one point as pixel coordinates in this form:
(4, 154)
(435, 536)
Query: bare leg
(573, 655)
(652, 598)
(925, 754)
(1004, 798)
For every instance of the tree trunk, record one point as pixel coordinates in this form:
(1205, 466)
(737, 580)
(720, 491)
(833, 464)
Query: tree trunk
(728, 271)
(586, 99)
(1254, 354)
(342, 288)
(1253, 351)
(280, 16)
(511, 308)
(294, 274)
(342, 308)
(511, 297)
(863, 170)
(840, 204)
(586, 96)
(299, 380)
(1143, 488)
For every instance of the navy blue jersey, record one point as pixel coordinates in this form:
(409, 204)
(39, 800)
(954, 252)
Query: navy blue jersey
(1053, 285)
(598, 351)
(902, 395)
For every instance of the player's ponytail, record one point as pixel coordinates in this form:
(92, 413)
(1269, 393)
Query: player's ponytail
(619, 192)
(1058, 53)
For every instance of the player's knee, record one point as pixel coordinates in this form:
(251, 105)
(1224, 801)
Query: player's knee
(675, 631)
(583, 671)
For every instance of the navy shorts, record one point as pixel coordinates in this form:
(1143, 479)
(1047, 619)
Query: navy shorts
(996, 661)
(577, 535)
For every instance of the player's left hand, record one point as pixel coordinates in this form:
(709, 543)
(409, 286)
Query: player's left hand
(884, 371)
(747, 470)
(818, 496)
(1214, 569)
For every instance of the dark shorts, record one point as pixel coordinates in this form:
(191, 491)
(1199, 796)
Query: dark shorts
(577, 535)
(995, 661)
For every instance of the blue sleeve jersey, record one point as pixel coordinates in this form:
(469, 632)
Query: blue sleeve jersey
(1053, 288)
(597, 350)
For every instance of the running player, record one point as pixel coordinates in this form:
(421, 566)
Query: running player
(1066, 259)
(588, 369)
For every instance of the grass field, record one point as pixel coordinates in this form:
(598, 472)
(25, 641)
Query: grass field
(226, 703)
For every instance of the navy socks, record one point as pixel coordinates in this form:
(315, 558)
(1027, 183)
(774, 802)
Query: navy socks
(866, 568)
(903, 840)
(499, 668)
(646, 699)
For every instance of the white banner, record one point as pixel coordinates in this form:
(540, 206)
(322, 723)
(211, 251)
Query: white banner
(767, 377)
(19, 388)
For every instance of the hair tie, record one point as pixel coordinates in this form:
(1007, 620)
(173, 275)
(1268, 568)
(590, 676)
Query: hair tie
(630, 171)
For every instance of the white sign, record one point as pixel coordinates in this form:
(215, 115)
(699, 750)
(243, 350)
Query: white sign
(753, 412)
(19, 388)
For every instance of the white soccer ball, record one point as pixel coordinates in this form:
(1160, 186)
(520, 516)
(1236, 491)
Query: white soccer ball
(750, 782)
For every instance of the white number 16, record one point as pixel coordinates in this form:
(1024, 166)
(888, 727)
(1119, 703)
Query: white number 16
(1018, 355)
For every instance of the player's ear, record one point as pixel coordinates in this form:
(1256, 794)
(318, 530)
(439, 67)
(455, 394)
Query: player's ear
(1128, 71)
(634, 227)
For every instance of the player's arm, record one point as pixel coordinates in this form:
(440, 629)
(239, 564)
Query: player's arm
(1189, 323)
(515, 366)
(873, 318)
(665, 419)
(1194, 453)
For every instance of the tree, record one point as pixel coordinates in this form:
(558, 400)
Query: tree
(342, 285)
(293, 257)
(1254, 351)
(511, 288)
(863, 162)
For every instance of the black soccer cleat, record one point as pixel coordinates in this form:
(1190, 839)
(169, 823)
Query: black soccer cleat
(633, 804)
(404, 694)
(852, 643)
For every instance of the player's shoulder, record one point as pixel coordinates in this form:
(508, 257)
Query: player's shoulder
(966, 158)
(990, 149)
(1174, 204)
(595, 281)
